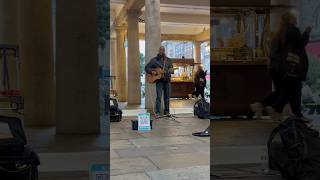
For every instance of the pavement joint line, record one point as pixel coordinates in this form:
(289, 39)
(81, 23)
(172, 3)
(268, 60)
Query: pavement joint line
(147, 157)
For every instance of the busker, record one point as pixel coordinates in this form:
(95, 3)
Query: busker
(161, 61)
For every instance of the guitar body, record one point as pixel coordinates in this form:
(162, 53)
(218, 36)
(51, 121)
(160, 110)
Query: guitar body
(150, 78)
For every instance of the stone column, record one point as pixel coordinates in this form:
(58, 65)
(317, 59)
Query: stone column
(153, 42)
(8, 22)
(121, 77)
(36, 50)
(113, 60)
(9, 35)
(134, 87)
(197, 54)
(77, 68)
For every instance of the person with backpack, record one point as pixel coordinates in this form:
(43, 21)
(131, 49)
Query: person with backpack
(200, 83)
(288, 68)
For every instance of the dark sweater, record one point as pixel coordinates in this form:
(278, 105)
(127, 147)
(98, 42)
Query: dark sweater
(291, 40)
(158, 62)
(200, 78)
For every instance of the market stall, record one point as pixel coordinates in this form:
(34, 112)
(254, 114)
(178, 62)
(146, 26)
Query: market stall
(239, 55)
(182, 79)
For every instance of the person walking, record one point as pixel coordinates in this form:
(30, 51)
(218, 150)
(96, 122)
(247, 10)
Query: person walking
(164, 84)
(288, 68)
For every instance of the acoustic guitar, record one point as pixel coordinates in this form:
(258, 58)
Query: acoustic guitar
(152, 78)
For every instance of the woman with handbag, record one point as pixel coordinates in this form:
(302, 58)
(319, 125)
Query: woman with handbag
(288, 68)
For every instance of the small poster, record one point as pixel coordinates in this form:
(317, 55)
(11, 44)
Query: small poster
(99, 172)
(144, 122)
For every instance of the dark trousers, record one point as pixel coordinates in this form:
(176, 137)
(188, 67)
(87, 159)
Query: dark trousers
(287, 90)
(199, 91)
(163, 86)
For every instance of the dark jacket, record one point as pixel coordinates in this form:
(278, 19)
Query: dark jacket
(291, 40)
(200, 78)
(158, 62)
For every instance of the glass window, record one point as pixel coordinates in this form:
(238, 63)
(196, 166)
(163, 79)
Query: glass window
(179, 49)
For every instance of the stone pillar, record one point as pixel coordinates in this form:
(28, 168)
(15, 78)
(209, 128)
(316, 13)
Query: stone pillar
(36, 50)
(153, 42)
(134, 87)
(77, 68)
(121, 77)
(9, 34)
(8, 22)
(113, 60)
(197, 54)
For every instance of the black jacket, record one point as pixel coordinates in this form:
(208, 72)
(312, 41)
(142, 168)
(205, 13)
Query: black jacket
(291, 40)
(200, 78)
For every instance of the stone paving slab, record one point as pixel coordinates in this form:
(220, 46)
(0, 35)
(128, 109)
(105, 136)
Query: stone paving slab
(190, 173)
(241, 132)
(224, 155)
(167, 132)
(163, 141)
(124, 135)
(134, 176)
(181, 160)
(131, 165)
(162, 150)
(121, 144)
(70, 162)
(113, 154)
(243, 171)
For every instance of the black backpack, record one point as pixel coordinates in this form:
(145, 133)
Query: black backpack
(294, 150)
(201, 109)
(115, 111)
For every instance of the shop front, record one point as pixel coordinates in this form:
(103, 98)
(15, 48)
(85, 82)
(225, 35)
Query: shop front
(182, 80)
(239, 58)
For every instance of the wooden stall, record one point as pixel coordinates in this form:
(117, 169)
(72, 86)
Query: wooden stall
(239, 51)
(182, 79)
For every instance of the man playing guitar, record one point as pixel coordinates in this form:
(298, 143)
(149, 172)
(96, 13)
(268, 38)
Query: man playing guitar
(161, 61)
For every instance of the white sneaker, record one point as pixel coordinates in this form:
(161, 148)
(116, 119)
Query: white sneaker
(274, 114)
(257, 108)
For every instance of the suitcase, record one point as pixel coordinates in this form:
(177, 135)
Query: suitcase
(17, 161)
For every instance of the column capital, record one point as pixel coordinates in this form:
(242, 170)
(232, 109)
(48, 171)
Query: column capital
(120, 27)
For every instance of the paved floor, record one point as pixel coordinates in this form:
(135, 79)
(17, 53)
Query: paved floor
(238, 149)
(169, 151)
(67, 157)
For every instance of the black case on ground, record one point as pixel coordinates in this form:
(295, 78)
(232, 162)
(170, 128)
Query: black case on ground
(115, 111)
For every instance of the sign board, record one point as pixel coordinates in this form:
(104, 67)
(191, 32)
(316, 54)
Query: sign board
(99, 172)
(144, 122)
